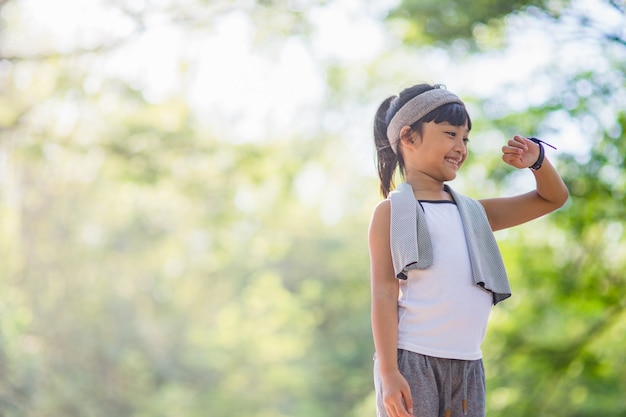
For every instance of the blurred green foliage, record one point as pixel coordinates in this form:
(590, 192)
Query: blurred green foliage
(440, 22)
(154, 265)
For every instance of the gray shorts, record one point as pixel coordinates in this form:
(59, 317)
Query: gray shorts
(439, 387)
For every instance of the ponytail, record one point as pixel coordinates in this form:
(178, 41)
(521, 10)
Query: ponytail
(386, 158)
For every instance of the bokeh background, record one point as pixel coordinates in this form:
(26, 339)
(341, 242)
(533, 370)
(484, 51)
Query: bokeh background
(185, 190)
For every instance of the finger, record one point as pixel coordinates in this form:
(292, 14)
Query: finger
(512, 149)
(394, 407)
(512, 157)
(521, 139)
(513, 160)
(512, 152)
(398, 409)
(395, 411)
(400, 412)
(518, 143)
(391, 412)
(408, 401)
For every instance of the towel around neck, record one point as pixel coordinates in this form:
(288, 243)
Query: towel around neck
(411, 246)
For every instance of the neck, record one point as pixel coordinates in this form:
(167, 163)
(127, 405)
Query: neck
(428, 188)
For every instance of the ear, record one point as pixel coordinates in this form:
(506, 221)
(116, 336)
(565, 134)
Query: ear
(406, 136)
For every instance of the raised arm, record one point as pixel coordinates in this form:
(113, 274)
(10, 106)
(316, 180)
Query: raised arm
(550, 193)
(385, 287)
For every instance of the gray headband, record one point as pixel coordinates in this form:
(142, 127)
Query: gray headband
(416, 108)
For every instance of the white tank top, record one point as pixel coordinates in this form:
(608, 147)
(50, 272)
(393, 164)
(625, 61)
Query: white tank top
(441, 312)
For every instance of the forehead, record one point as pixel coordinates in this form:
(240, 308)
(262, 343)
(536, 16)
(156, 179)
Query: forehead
(448, 125)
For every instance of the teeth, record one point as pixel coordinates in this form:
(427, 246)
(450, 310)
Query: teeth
(452, 161)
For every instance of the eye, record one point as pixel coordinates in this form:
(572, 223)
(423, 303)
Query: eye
(466, 140)
(453, 134)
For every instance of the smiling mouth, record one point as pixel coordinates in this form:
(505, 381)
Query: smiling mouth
(454, 162)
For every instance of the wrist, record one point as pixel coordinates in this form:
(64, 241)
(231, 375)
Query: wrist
(542, 153)
(541, 156)
(388, 373)
(387, 365)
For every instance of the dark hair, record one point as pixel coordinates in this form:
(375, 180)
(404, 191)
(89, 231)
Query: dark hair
(386, 160)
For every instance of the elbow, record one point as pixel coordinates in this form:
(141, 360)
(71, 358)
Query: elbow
(562, 197)
(556, 199)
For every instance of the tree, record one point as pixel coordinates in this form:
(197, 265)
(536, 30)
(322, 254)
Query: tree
(157, 267)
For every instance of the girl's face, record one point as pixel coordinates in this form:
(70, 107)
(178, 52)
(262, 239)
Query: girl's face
(440, 150)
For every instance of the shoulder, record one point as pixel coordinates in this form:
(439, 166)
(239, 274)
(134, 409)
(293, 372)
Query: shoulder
(382, 208)
(381, 219)
(382, 213)
(379, 241)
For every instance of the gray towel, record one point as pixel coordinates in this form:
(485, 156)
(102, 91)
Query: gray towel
(411, 247)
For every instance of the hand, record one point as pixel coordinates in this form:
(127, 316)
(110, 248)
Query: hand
(520, 152)
(397, 396)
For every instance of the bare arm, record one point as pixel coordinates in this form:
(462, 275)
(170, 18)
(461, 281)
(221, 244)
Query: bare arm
(384, 288)
(550, 193)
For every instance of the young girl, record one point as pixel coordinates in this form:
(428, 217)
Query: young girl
(435, 266)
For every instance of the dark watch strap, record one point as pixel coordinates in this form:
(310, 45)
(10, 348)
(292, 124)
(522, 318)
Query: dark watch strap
(542, 153)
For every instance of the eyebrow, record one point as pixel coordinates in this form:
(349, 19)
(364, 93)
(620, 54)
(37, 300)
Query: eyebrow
(449, 125)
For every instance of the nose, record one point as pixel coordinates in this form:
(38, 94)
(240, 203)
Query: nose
(460, 146)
